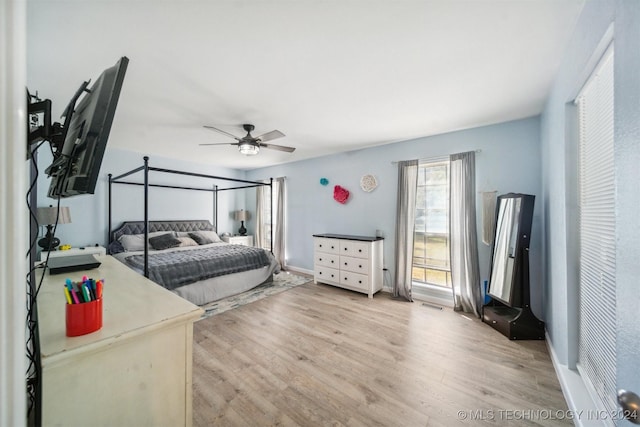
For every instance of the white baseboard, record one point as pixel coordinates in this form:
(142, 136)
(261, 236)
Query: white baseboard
(583, 409)
(295, 269)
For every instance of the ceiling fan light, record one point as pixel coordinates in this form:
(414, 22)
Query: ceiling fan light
(249, 149)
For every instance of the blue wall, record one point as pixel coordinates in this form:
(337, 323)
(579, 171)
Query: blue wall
(593, 31)
(89, 213)
(559, 162)
(509, 161)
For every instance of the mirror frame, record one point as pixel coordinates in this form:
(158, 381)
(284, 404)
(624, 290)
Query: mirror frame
(518, 295)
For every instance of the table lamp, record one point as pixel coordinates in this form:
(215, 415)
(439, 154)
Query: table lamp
(48, 216)
(242, 216)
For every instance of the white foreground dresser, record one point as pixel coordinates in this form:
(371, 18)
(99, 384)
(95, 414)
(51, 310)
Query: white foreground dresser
(135, 371)
(350, 262)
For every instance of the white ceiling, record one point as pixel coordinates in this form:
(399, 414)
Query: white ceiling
(333, 75)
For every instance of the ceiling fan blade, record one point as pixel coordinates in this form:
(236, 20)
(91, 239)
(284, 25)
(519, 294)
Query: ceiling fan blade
(222, 143)
(222, 132)
(278, 147)
(274, 134)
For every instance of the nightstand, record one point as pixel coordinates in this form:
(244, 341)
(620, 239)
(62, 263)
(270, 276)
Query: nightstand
(239, 240)
(93, 250)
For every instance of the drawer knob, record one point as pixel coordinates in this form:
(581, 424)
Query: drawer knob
(359, 250)
(320, 259)
(331, 261)
(320, 245)
(332, 275)
(345, 263)
(345, 249)
(360, 266)
(332, 247)
(359, 281)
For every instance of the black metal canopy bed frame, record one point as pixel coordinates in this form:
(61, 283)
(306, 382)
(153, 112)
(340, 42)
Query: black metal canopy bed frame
(230, 280)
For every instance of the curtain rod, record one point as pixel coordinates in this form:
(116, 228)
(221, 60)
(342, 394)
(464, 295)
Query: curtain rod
(433, 159)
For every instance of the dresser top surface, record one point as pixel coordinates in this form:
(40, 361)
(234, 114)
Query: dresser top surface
(132, 304)
(349, 237)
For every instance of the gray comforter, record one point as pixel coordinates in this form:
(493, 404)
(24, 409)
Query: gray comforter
(175, 269)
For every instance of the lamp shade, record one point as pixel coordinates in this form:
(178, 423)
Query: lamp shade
(47, 216)
(242, 215)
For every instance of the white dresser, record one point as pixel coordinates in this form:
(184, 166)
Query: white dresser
(134, 371)
(350, 262)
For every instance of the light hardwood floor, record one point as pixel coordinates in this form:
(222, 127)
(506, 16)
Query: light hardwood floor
(319, 355)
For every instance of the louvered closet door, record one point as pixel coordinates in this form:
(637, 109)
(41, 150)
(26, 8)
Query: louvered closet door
(597, 337)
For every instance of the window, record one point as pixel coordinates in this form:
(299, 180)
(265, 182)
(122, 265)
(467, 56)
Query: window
(431, 230)
(597, 268)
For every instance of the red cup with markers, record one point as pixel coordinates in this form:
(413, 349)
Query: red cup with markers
(84, 307)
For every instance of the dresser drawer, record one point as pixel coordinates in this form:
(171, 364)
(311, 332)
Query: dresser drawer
(355, 265)
(326, 274)
(354, 280)
(326, 259)
(354, 249)
(331, 246)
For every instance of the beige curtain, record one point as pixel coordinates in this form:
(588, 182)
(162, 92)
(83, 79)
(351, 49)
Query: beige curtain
(465, 269)
(263, 234)
(405, 219)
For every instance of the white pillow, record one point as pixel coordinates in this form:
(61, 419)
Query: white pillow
(135, 242)
(187, 241)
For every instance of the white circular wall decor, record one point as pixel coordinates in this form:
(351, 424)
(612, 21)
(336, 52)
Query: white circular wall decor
(368, 183)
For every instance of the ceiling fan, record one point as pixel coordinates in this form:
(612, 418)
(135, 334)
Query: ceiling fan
(250, 145)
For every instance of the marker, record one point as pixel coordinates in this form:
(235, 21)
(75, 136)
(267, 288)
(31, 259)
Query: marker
(91, 287)
(67, 295)
(75, 296)
(85, 292)
(80, 293)
(90, 290)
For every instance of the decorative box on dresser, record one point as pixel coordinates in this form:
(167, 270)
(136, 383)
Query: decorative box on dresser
(350, 262)
(135, 370)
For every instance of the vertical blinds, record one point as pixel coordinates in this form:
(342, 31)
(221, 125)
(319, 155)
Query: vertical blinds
(597, 336)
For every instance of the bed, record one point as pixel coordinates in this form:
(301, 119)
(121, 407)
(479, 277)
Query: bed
(201, 268)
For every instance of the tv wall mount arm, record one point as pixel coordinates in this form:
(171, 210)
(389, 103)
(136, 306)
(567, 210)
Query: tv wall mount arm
(54, 133)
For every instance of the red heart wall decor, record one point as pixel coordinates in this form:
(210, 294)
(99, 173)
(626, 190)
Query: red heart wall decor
(340, 194)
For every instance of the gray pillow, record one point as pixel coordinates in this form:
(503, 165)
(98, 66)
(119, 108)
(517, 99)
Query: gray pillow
(135, 242)
(164, 241)
(115, 247)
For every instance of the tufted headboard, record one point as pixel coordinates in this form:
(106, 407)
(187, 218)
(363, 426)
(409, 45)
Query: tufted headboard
(137, 227)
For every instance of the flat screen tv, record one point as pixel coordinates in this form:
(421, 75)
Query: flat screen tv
(76, 167)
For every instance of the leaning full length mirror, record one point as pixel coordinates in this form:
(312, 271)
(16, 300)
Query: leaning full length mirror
(509, 310)
(504, 250)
